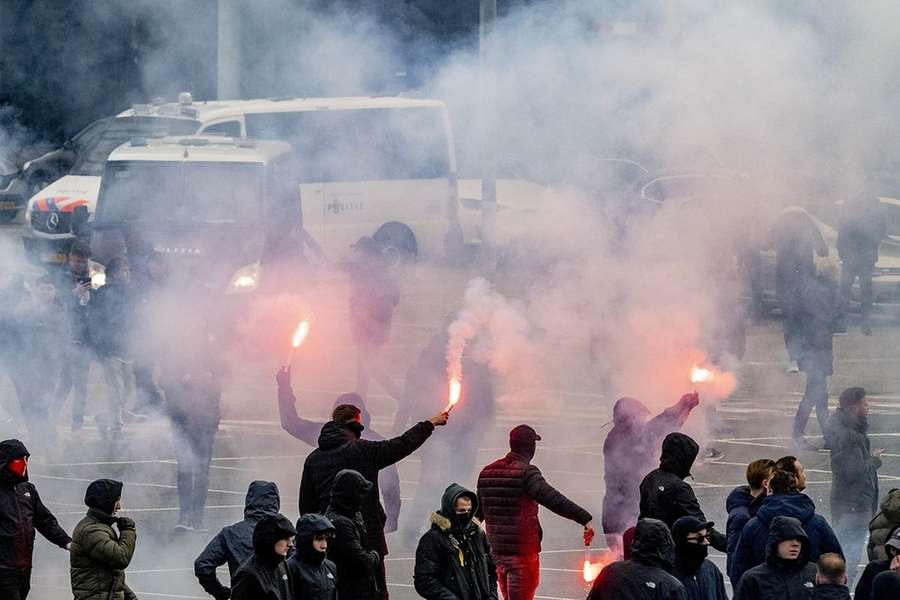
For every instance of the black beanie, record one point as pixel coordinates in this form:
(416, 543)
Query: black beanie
(103, 495)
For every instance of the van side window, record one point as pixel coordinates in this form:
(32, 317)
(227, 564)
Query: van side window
(228, 129)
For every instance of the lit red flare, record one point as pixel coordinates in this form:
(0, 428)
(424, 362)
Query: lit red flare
(701, 375)
(590, 570)
(300, 334)
(455, 389)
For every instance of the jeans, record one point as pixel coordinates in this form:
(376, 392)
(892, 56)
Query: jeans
(850, 270)
(117, 372)
(518, 576)
(851, 528)
(14, 585)
(73, 377)
(815, 395)
(193, 453)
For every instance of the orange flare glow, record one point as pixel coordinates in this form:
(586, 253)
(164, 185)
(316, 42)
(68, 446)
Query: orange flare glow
(591, 570)
(300, 334)
(455, 389)
(701, 375)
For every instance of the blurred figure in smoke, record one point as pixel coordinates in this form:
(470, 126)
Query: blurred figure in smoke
(452, 456)
(628, 452)
(149, 283)
(796, 239)
(453, 559)
(99, 555)
(647, 573)
(313, 576)
(861, 230)
(234, 544)
(509, 492)
(21, 512)
(264, 576)
(816, 318)
(41, 323)
(111, 317)
(12, 294)
(73, 289)
(664, 493)
(191, 380)
(701, 579)
(374, 294)
(742, 504)
(308, 432)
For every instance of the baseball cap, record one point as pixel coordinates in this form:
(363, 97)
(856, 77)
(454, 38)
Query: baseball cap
(894, 540)
(523, 433)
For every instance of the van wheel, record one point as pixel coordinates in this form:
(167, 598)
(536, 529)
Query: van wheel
(397, 243)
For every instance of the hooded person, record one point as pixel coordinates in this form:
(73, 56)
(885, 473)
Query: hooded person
(510, 490)
(357, 565)
(647, 574)
(313, 576)
(742, 504)
(787, 573)
(886, 521)
(701, 579)
(21, 513)
(264, 575)
(664, 493)
(785, 500)
(234, 544)
(874, 568)
(453, 559)
(887, 585)
(628, 453)
(308, 432)
(99, 555)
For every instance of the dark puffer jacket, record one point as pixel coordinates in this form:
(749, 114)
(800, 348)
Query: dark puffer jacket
(645, 576)
(111, 318)
(453, 560)
(356, 563)
(751, 549)
(883, 524)
(21, 512)
(234, 544)
(339, 449)
(509, 493)
(665, 495)
(854, 483)
(264, 575)
(99, 556)
(741, 507)
(701, 579)
(886, 586)
(313, 576)
(777, 578)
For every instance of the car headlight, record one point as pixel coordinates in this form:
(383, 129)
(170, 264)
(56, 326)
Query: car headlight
(245, 279)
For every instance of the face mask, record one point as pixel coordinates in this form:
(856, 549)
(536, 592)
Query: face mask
(17, 467)
(461, 520)
(692, 555)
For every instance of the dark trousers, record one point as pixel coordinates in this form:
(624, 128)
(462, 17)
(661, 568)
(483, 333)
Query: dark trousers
(73, 377)
(814, 396)
(518, 576)
(14, 585)
(381, 578)
(193, 453)
(788, 287)
(850, 270)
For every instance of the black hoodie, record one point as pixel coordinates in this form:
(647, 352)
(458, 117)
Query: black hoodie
(264, 575)
(777, 578)
(313, 576)
(453, 559)
(665, 495)
(234, 544)
(21, 512)
(646, 575)
(356, 564)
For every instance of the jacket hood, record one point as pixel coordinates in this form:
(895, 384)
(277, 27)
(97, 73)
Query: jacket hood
(739, 497)
(794, 504)
(454, 491)
(890, 506)
(348, 490)
(11, 450)
(334, 435)
(787, 528)
(628, 411)
(269, 530)
(262, 499)
(311, 524)
(653, 544)
(679, 452)
(103, 495)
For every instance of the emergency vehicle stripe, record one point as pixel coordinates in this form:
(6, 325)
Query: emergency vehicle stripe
(71, 206)
(62, 202)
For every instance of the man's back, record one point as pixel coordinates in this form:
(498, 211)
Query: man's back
(511, 517)
(632, 580)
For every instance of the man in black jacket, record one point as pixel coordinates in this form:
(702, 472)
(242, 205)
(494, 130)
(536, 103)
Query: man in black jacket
(313, 576)
(854, 486)
(21, 513)
(873, 569)
(339, 448)
(509, 492)
(264, 575)
(234, 544)
(308, 432)
(701, 579)
(742, 504)
(664, 493)
(646, 575)
(359, 567)
(787, 573)
(453, 559)
(831, 578)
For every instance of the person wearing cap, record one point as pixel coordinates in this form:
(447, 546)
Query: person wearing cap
(359, 567)
(313, 576)
(99, 554)
(21, 513)
(264, 576)
(892, 551)
(509, 492)
(701, 579)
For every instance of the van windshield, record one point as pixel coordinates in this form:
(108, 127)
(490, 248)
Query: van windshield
(164, 192)
(362, 144)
